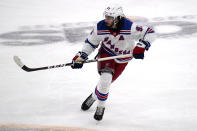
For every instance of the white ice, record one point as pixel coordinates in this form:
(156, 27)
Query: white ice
(158, 93)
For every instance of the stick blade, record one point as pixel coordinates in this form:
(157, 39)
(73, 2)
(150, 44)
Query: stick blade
(18, 61)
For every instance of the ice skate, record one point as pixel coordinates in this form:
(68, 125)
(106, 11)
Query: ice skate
(87, 103)
(99, 113)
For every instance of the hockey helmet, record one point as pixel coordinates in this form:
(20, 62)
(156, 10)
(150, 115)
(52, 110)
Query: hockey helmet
(114, 11)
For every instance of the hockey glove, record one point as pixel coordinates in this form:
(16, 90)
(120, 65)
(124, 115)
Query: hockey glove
(138, 51)
(78, 60)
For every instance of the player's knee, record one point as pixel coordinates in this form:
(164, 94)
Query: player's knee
(106, 70)
(105, 79)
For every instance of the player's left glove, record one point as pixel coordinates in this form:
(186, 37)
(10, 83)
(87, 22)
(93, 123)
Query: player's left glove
(138, 51)
(78, 60)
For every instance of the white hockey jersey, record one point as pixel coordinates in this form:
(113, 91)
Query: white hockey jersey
(117, 43)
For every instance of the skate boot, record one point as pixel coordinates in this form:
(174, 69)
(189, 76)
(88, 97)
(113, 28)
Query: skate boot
(87, 103)
(99, 113)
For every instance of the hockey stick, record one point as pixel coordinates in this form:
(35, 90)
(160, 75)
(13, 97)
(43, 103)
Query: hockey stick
(25, 68)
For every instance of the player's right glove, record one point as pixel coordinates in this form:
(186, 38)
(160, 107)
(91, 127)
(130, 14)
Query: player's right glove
(78, 60)
(138, 51)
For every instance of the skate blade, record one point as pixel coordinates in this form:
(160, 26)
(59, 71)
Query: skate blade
(98, 122)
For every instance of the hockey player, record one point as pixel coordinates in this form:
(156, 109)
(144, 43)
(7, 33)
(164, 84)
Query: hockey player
(117, 36)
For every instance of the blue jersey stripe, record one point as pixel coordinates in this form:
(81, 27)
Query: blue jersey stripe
(93, 46)
(125, 33)
(103, 33)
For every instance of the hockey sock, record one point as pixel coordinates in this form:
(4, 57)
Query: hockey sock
(102, 89)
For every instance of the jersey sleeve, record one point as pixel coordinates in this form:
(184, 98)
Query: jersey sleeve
(149, 35)
(144, 32)
(91, 42)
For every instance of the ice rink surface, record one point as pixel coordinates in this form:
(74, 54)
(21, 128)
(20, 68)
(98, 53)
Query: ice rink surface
(158, 93)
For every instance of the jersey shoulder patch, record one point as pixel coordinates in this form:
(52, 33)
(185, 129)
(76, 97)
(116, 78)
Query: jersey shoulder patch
(139, 28)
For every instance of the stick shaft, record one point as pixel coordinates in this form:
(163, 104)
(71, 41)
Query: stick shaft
(114, 57)
(24, 67)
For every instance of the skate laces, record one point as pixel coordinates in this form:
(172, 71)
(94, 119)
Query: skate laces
(90, 101)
